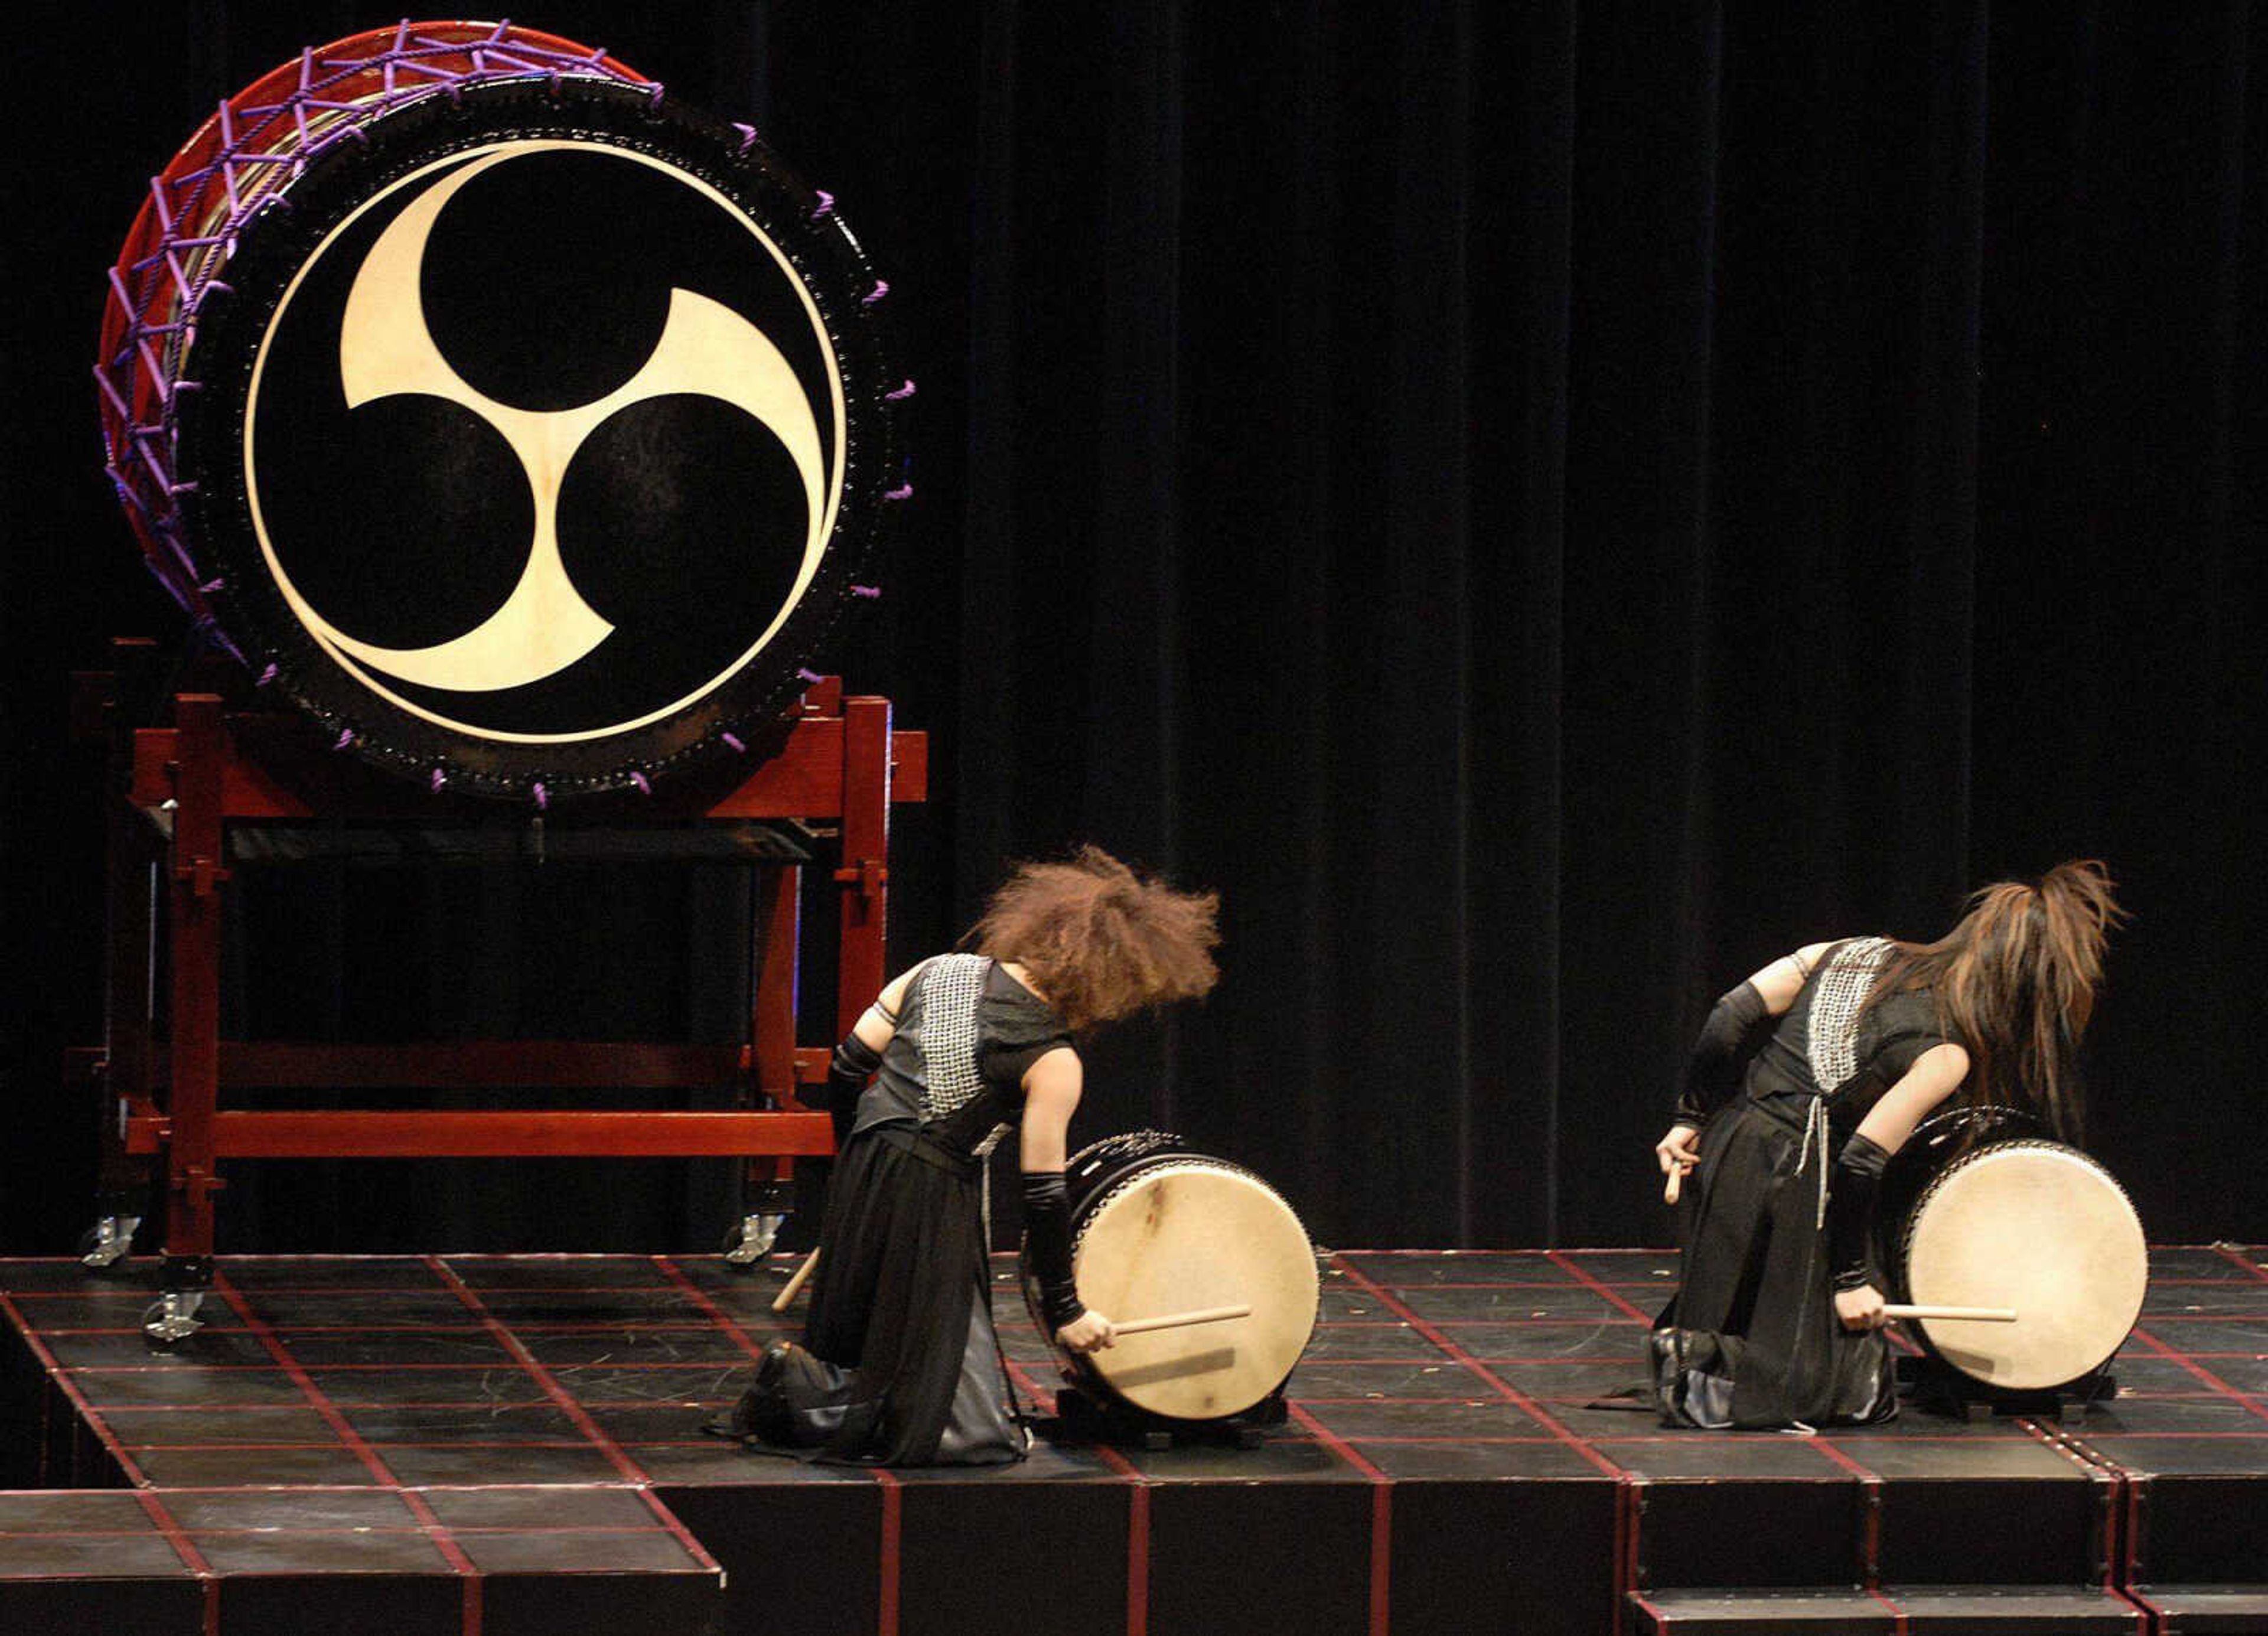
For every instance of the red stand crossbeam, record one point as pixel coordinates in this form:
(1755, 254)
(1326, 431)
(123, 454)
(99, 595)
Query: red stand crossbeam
(840, 764)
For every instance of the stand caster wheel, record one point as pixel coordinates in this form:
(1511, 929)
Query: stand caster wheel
(172, 1317)
(107, 1242)
(747, 1244)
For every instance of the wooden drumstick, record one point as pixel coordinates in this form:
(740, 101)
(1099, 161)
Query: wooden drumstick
(794, 1285)
(1941, 1314)
(1181, 1320)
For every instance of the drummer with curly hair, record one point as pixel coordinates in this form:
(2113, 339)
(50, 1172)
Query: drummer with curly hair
(1804, 1081)
(899, 1364)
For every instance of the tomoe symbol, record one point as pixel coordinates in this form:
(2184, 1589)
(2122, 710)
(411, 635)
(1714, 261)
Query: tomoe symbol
(527, 650)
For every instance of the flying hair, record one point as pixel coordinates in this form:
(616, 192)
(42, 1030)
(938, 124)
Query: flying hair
(2014, 982)
(1101, 941)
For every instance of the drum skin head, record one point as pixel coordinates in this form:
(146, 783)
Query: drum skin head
(2039, 1227)
(1184, 1235)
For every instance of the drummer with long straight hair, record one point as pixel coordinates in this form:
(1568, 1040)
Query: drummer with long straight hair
(1804, 1081)
(900, 1365)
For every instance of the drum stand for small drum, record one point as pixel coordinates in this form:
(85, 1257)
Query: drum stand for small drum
(1936, 1386)
(171, 793)
(1082, 1417)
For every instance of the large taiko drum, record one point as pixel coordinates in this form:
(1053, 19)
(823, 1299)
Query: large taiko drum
(1159, 1229)
(521, 424)
(1981, 1208)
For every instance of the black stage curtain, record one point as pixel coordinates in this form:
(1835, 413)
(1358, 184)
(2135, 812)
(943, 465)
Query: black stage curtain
(1546, 507)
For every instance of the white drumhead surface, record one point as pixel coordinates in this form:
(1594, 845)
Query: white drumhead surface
(2040, 1228)
(1186, 1236)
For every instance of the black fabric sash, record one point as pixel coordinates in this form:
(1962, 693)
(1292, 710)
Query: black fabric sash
(906, 1139)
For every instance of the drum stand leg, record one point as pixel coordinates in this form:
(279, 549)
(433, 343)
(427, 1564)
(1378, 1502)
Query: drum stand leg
(746, 1245)
(1939, 1389)
(172, 1316)
(109, 1240)
(1081, 1418)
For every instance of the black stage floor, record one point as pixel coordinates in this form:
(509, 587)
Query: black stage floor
(498, 1445)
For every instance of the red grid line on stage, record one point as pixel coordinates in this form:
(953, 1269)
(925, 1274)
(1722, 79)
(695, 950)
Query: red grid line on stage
(1641, 1251)
(574, 1411)
(1382, 1512)
(375, 1445)
(1870, 1482)
(588, 1326)
(460, 1563)
(1555, 1360)
(1870, 1497)
(610, 1326)
(2236, 1255)
(71, 1393)
(127, 1295)
(540, 1376)
(382, 1291)
(193, 1560)
(504, 1531)
(712, 1364)
(1559, 1259)
(718, 1318)
(2127, 1563)
(1625, 1546)
(2189, 1361)
(2116, 1505)
(183, 1548)
(482, 1403)
(1138, 1484)
(892, 1498)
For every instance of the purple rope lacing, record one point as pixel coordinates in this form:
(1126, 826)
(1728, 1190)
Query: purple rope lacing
(161, 297)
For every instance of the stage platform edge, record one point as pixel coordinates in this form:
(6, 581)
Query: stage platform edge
(485, 1444)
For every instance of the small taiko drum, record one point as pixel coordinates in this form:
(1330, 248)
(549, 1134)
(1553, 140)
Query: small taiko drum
(1160, 1231)
(1981, 1210)
(523, 425)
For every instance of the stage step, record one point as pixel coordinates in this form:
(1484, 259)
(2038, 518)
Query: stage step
(1791, 1613)
(2207, 1610)
(349, 1561)
(1932, 1610)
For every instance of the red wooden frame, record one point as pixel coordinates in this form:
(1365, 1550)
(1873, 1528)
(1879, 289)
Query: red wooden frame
(840, 763)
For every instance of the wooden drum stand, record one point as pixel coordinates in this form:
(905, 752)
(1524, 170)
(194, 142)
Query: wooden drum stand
(171, 794)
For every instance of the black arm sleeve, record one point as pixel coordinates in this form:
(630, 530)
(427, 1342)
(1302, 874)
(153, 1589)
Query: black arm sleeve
(1851, 1211)
(1047, 1239)
(1711, 1067)
(855, 1061)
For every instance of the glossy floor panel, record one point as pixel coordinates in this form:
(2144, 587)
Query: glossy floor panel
(464, 1437)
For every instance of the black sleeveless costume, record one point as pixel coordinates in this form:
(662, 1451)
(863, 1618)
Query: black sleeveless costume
(900, 1364)
(1752, 1337)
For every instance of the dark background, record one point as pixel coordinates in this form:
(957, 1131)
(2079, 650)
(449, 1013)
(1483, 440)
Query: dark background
(1546, 505)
